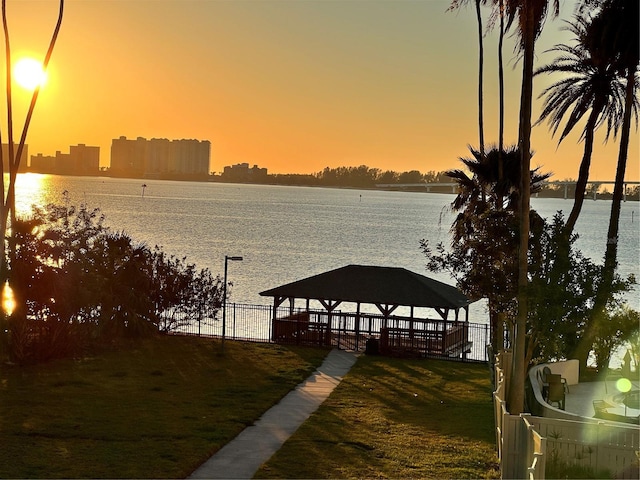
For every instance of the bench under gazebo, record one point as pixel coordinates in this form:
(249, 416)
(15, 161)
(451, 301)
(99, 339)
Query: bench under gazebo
(387, 288)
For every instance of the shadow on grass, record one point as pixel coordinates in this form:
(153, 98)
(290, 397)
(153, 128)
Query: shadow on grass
(397, 418)
(155, 409)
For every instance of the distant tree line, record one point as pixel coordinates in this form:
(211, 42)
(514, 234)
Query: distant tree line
(367, 177)
(354, 177)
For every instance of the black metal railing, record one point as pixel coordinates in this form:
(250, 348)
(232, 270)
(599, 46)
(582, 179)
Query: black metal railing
(349, 331)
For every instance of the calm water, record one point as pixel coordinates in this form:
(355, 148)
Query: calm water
(288, 233)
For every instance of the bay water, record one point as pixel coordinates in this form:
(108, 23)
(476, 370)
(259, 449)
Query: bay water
(287, 233)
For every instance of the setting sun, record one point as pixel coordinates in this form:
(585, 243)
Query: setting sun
(29, 74)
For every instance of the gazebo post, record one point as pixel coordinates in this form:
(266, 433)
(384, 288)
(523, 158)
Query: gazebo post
(357, 326)
(330, 306)
(277, 301)
(411, 333)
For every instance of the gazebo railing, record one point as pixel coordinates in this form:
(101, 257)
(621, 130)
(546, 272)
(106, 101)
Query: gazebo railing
(395, 335)
(349, 331)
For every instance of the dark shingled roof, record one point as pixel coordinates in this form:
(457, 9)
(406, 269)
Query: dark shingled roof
(370, 284)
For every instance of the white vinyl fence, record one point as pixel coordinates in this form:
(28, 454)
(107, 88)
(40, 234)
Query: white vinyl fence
(529, 446)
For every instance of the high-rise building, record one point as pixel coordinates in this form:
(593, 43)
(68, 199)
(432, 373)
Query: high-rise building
(242, 173)
(84, 159)
(160, 156)
(81, 160)
(128, 156)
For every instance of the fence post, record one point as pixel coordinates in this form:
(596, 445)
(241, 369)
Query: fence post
(487, 342)
(234, 320)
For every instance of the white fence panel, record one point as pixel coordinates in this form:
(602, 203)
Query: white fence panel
(536, 452)
(593, 445)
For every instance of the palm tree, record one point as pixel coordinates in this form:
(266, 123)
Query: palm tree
(531, 15)
(616, 28)
(487, 203)
(590, 84)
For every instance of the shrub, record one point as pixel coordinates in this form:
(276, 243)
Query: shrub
(76, 283)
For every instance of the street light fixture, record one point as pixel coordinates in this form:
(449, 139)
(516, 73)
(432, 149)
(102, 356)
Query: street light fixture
(224, 296)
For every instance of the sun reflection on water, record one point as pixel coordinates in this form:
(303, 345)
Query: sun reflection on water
(31, 190)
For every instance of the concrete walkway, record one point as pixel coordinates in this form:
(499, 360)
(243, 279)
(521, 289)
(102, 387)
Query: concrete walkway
(243, 456)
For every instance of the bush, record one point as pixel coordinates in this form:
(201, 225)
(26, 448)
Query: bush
(76, 283)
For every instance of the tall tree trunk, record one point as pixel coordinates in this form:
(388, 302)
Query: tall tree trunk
(480, 79)
(516, 394)
(501, 92)
(583, 175)
(4, 270)
(500, 321)
(611, 253)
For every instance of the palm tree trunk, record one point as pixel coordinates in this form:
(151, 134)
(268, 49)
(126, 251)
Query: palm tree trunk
(4, 270)
(516, 394)
(583, 175)
(480, 79)
(501, 92)
(610, 257)
(500, 199)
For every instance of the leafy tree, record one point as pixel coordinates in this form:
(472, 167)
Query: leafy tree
(562, 293)
(388, 177)
(183, 295)
(76, 282)
(412, 176)
(484, 233)
(618, 328)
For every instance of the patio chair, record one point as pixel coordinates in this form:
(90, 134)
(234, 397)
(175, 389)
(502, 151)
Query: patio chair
(555, 391)
(546, 371)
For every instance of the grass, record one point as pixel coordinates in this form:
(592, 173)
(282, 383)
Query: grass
(159, 408)
(155, 409)
(392, 418)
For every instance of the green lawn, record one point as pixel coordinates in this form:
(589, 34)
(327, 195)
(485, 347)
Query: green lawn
(157, 409)
(160, 408)
(392, 418)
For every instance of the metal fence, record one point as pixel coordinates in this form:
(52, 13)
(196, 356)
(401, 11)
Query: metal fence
(348, 330)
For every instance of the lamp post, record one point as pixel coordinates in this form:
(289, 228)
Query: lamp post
(224, 296)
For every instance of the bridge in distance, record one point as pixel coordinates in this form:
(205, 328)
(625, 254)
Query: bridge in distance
(592, 186)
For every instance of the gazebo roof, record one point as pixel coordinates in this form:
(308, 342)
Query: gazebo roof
(374, 285)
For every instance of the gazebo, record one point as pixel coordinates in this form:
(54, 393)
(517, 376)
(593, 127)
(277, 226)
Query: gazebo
(385, 287)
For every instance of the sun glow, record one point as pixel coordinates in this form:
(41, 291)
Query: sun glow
(29, 74)
(8, 300)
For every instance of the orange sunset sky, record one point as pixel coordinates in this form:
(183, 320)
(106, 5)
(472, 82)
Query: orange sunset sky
(290, 85)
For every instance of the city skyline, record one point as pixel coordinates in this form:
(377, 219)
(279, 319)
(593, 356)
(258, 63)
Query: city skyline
(291, 86)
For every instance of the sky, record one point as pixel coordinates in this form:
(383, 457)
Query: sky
(293, 86)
